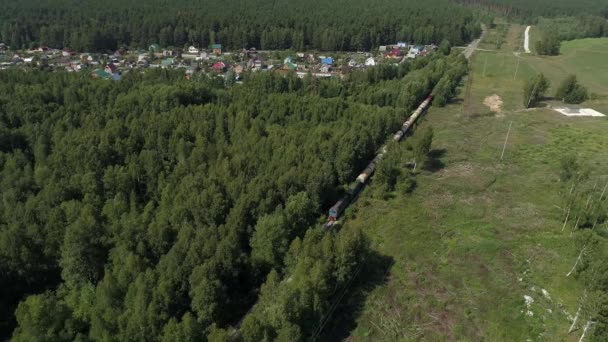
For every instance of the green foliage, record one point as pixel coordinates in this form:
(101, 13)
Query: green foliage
(151, 203)
(569, 167)
(548, 45)
(570, 91)
(319, 267)
(534, 89)
(421, 145)
(236, 24)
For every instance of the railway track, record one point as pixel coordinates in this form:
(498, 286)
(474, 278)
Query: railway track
(363, 178)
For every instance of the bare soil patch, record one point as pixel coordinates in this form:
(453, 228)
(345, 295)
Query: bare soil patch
(494, 102)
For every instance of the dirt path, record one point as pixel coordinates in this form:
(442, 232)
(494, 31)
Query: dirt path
(468, 51)
(527, 40)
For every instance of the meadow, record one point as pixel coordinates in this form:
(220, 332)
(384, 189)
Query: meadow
(479, 233)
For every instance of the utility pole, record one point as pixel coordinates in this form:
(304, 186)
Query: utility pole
(484, 66)
(506, 139)
(516, 68)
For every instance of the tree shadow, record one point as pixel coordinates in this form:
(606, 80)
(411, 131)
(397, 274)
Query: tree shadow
(344, 320)
(434, 162)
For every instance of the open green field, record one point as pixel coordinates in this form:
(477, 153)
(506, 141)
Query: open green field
(479, 233)
(503, 71)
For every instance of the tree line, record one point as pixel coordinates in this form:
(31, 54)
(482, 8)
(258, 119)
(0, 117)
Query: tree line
(236, 24)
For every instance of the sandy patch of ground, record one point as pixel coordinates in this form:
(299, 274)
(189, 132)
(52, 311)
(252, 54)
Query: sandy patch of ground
(457, 170)
(494, 102)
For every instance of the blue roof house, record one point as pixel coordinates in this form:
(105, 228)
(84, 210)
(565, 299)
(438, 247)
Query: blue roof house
(327, 60)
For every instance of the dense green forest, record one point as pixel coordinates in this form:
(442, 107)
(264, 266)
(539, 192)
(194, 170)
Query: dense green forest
(531, 9)
(155, 208)
(327, 25)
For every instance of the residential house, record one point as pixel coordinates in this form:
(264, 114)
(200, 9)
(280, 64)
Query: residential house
(216, 49)
(110, 68)
(86, 58)
(394, 53)
(167, 62)
(327, 60)
(290, 66)
(63, 62)
(256, 63)
(168, 53)
(219, 66)
(413, 52)
(300, 55)
(193, 50)
(402, 45)
(98, 73)
(66, 52)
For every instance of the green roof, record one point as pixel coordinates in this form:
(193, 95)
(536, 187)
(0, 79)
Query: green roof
(167, 61)
(100, 73)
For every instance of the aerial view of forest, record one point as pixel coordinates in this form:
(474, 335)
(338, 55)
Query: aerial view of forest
(303, 171)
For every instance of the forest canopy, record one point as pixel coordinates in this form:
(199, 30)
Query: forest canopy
(154, 208)
(326, 25)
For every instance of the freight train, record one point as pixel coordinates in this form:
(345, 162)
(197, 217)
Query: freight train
(337, 209)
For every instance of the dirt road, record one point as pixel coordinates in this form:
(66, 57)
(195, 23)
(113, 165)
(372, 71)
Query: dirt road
(527, 40)
(468, 51)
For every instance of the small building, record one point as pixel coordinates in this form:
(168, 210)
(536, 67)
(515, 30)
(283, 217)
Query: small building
(216, 48)
(402, 45)
(219, 66)
(382, 48)
(167, 62)
(168, 53)
(66, 52)
(28, 60)
(110, 68)
(370, 62)
(290, 66)
(98, 73)
(394, 53)
(193, 50)
(154, 48)
(327, 60)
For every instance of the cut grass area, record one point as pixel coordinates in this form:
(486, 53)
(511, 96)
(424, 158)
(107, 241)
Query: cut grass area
(479, 234)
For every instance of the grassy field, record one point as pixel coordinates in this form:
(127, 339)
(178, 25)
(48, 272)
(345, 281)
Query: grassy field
(504, 71)
(479, 233)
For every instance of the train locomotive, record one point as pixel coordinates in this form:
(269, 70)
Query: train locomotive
(337, 209)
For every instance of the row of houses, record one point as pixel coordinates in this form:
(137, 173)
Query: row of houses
(212, 59)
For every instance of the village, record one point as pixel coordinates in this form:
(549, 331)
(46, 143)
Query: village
(212, 60)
